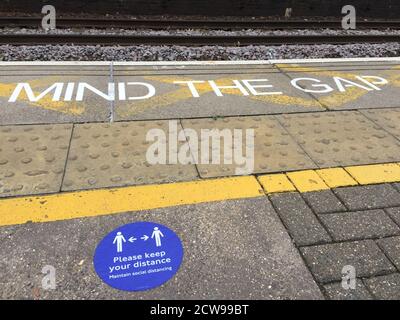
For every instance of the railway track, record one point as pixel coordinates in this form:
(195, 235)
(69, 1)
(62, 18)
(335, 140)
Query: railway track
(185, 40)
(102, 23)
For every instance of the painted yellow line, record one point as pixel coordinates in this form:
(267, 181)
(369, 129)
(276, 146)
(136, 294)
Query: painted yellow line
(307, 181)
(274, 183)
(377, 173)
(336, 177)
(81, 204)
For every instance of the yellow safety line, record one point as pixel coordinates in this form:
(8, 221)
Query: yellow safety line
(79, 204)
(307, 181)
(336, 177)
(380, 173)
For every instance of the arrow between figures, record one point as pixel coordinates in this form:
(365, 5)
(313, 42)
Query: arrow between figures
(132, 239)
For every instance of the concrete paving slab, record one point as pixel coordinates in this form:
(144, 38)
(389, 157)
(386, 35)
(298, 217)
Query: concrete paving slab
(299, 219)
(385, 287)
(323, 201)
(396, 186)
(270, 93)
(50, 95)
(394, 213)
(359, 225)
(232, 250)
(32, 158)
(369, 197)
(274, 149)
(388, 119)
(111, 155)
(327, 261)
(349, 87)
(341, 138)
(335, 291)
(391, 246)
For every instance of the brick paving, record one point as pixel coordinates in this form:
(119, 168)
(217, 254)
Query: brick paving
(351, 226)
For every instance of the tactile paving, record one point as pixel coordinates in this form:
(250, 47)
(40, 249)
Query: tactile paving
(114, 154)
(388, 119)
(341, 138)
(32, 158)
(274, 149)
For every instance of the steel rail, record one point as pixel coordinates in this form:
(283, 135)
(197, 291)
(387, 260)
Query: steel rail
(35, 22)
(185, 40)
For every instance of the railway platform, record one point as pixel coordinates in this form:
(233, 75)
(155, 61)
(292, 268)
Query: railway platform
(275, 175)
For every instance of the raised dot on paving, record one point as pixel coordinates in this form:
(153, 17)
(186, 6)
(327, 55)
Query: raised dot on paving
(32, 158)
(273, 148)
(101, 157)
(389, 119)
(341, 138)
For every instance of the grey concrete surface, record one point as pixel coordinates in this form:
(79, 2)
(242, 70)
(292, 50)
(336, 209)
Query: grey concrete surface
(232, 250)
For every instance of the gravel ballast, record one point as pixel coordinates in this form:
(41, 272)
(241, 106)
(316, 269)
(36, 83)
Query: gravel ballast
(200, 32)
(181, 53)
(184, 53)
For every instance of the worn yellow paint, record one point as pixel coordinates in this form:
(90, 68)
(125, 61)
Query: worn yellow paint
(182, 94)
(80, 204)
(395, 78)
(376, 173)
(288, 100)
(336, 177)
(73, 108)
(164, 100)
(340, 98)
(333, 100)
(274, 183)
(337, 99)
(307, 180)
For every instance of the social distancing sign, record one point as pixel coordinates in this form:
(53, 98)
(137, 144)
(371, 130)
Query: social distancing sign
(138, 256)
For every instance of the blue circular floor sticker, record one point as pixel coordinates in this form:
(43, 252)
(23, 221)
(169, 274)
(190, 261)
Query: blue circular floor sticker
(138, 256)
